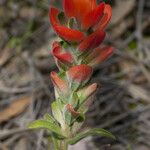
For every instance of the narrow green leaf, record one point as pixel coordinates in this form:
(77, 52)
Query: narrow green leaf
(56, 143)
(58, 114)
(91, 132)
(49, 118)
(43, 124)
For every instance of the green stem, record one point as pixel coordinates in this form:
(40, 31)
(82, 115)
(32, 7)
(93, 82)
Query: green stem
(60, 145)
(64, 145)
(55, 143)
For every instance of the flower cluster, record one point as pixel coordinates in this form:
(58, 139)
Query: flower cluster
(81, 28)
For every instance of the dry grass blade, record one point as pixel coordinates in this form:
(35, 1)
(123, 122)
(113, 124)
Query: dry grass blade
(14, 109)
(119, 13)
(139, 92)
(5, 56)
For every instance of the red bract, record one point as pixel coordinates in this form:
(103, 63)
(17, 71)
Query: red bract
(59, 84)
(92, 41)
(80, 73)
(105, 18)
(78, 8)
(72, 111)
(64, 32)
(88, 91)
(88, 14)
(95, 14)
(64, 57)
(99, 55)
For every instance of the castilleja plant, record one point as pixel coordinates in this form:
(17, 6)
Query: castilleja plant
(81, 28)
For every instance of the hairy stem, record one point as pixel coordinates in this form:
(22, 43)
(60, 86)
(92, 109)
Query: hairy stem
(64, 145)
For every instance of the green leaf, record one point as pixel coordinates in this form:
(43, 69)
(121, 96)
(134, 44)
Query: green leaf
(56, 110)
(95, 131)
(43, 124)
(49, 118)
(55, 142)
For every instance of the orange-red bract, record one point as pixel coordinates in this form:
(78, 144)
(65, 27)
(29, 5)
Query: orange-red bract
(64, 57)
(99, 55)
(72, 111)
(64, 32)
(59, 84)
(93, 17)
(92, 41)
(78, 8)
(80, 73)
(107, 14)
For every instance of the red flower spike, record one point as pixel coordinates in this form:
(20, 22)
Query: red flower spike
(65, 58)
(93, 17)
(66, 33)
(92, 41)
(105, 19)
(80, 73)
(72, 111)
(59, 83)
(78, 8)
(100, 55)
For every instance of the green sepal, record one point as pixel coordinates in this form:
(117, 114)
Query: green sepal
(70, 119)
(74, 85)
(64, 44)
(72, 23)
(74, 100)
(91, 132)
(62, 19)
(62, 74)
(43, 124)
(62, 66)
(81, 118)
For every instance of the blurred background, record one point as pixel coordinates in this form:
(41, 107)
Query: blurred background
(122, 103)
